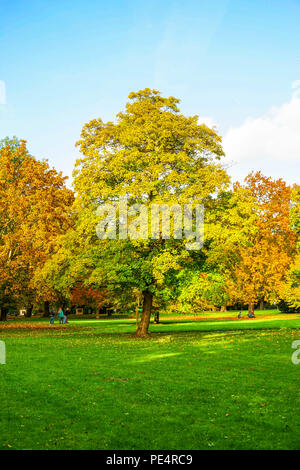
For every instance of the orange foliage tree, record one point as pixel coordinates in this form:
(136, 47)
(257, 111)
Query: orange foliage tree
(34, 211)
(82, 295)
(264, 264)
(291, 289)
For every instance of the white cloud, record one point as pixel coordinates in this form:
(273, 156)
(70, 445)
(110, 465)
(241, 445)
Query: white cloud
(274, 136)
(269, 143)
(208, 121)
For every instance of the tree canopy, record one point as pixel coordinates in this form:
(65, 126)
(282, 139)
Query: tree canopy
(34, 211)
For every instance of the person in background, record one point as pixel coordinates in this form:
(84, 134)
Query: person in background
(67, 312)
(52, 316)
(60, 315)
(240, 315)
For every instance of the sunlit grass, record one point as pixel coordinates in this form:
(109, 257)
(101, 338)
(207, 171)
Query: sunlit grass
(193, 385)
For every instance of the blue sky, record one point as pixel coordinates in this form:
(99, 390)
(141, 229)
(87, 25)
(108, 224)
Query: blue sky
(231, 62)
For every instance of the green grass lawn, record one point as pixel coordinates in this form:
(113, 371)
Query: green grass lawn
(204, 383)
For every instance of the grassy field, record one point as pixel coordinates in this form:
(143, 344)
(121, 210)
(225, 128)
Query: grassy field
(205, 382)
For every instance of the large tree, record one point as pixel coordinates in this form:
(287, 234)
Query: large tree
(34, 211)
(263, 265)
(290, 292)
(151, 154)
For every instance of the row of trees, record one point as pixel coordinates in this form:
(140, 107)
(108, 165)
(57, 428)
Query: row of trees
(151, 154)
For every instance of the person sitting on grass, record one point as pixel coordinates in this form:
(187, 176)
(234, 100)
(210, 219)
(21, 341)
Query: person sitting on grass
(52, 317)
(67, 312)
(60, 315)
(251, 315)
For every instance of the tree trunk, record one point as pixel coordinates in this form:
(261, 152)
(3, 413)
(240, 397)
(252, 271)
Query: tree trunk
(3, 316)
(137, 315)
(156, 317)
(223, 308)
(142, 329)
(138, 309)
(46, 309)
(261, 305)
(251, 308)
(29, 311)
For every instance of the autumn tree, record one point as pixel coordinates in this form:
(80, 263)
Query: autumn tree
(81, 295)
(34, 211)
(290, 292)
(263, 265)
(151, 154)
(229, 228)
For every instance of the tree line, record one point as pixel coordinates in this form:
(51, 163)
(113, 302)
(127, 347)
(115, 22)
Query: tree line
(150, 154)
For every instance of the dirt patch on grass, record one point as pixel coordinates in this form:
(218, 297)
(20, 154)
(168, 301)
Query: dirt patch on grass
(38, 326)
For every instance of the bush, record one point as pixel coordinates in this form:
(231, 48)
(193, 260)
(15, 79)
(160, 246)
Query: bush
(286, 308)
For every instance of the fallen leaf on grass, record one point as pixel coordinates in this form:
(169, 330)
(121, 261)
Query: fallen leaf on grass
(116, 379)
